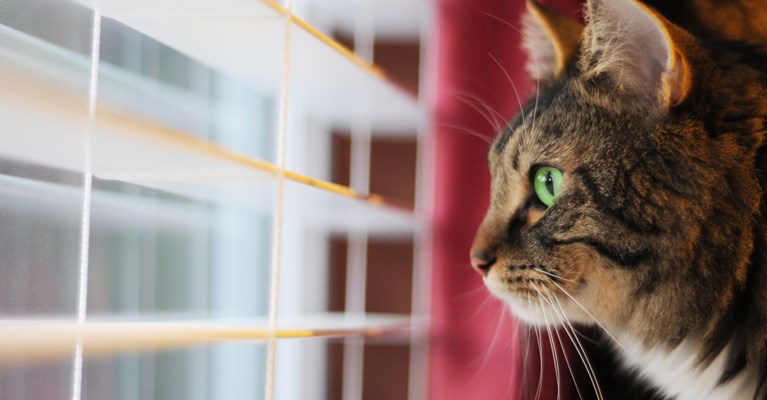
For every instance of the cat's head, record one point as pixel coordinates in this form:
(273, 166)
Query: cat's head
(627, 186)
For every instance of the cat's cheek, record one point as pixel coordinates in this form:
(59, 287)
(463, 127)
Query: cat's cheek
(607, 295)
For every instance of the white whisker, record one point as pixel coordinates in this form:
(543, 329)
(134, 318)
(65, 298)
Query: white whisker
(511, 348)
(537, 93)
(580, 350)
(492, 117)
(557, 277)
(517, 324)
(482, 306)
(562, 319)
(503, 21)
(549, 326)
(592, 317)
(466, 96)
(585, 337)
(524, 388)
(567, 360)
(540, 356)
(491, 347)
(468, 131)
(513, 86)
(479, 290)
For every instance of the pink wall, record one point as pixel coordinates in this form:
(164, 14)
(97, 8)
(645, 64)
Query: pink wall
(473, 356)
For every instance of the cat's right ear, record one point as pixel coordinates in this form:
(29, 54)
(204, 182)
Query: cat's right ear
(551, 40)
(643, 52)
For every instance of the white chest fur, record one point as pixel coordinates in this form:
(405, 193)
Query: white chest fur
(677, 376)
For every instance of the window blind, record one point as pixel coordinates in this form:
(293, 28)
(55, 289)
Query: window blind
(167, 203)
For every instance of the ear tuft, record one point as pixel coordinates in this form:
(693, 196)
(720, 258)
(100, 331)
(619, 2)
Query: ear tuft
(641, 50)
(550, 39)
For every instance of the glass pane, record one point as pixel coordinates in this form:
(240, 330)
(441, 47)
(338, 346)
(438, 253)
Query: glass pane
(221, 371)
(39, 242)
(155, 254)
(36, 381)
(148, 253)
(58, 22)
(142, 77)
(43, 106)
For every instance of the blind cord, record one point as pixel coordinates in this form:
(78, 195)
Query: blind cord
(85, 222)
(271, 358)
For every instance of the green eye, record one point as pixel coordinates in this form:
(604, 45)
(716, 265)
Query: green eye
(546, 183)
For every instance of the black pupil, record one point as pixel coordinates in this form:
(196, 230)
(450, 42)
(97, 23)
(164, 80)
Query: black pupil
(549, 183)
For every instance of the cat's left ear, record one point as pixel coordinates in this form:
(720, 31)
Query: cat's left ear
(640, 49)
(551, 41)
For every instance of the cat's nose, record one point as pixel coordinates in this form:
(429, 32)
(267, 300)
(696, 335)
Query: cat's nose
(481, 261)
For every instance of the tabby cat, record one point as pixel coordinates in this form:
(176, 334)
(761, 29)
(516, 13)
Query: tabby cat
(629, 193)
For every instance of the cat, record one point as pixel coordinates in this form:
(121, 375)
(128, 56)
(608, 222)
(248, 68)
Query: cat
(629, 192)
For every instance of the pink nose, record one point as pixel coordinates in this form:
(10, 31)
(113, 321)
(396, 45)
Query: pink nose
(481, 262)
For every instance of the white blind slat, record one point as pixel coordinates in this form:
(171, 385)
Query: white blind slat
(40, 340)
(318, 68)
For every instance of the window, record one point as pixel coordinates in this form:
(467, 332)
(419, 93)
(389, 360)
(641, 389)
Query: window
(166, 198)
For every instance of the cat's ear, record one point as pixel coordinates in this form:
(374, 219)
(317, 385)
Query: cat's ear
(639, 48)
(550, 39)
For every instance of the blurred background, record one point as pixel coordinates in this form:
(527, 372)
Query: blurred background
(270, 169)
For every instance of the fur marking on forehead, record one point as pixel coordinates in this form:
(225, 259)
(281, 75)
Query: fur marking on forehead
(523, 143)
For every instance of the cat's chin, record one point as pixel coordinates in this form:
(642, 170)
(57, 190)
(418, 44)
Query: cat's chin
(530, 311)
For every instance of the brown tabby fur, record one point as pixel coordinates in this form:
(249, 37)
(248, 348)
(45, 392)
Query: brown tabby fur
(659, 230)
(741, 20)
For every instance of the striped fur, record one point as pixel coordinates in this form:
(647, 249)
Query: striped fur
(659, 231)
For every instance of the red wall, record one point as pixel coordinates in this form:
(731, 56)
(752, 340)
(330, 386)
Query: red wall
(474, 353)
